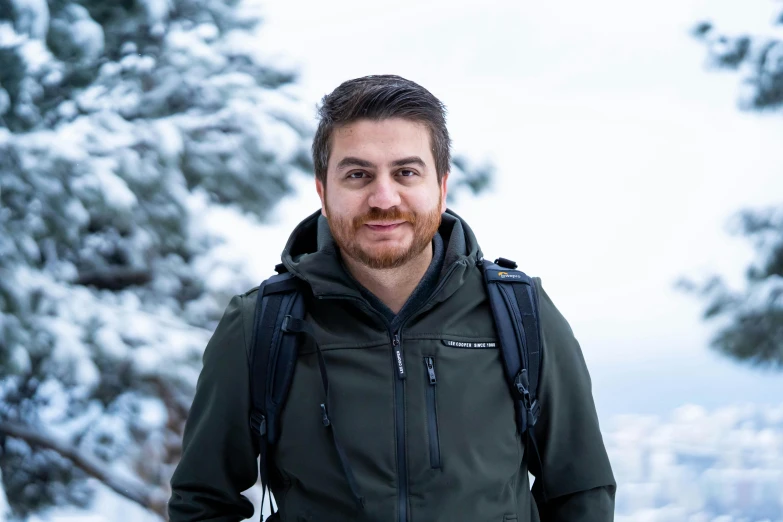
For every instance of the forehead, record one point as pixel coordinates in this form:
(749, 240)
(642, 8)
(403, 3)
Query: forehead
(382, 140)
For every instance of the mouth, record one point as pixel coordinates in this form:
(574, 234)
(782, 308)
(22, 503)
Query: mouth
(383, 227)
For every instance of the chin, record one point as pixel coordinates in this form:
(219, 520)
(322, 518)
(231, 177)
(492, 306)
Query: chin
(386, 253)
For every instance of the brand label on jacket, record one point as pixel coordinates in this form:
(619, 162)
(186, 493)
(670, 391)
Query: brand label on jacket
(468, 344)
(400, 363)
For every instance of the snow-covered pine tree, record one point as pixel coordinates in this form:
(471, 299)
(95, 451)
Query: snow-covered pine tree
(123, 126)
(752, 328)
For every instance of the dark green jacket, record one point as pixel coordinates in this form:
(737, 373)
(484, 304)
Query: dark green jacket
(394, 430)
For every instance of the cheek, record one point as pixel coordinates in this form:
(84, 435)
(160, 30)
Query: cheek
(343, 204)
(427, 201)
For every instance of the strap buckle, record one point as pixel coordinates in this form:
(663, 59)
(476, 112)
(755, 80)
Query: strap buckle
(258, 423)
(522, 387)
(522, 392)
(506, 263)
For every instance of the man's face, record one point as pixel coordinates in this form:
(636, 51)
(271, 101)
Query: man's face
(382, 197)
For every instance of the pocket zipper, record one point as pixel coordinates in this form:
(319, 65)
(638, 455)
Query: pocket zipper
(432, 413)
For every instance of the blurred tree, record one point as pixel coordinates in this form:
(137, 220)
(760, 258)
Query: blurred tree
(752, 319)
(123, 126)
(759, 58)
(467, 176)
(127, 130)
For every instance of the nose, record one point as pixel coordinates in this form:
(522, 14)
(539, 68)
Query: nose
(383, 193)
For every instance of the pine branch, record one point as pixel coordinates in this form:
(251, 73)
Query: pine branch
(114, 278)
(131, 490)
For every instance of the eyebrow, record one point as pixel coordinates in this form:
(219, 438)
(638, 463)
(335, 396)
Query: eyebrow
(352, 161)
(410, 160)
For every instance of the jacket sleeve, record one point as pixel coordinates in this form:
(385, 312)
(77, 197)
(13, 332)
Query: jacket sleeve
(575, 482)
(218, 452)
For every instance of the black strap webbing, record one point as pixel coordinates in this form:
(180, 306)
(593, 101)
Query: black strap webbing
(289, 284)
(265, 334)
(274, 294)
(525, 299)
(264, 324)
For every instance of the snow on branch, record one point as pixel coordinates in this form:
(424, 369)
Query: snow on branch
(129, 489)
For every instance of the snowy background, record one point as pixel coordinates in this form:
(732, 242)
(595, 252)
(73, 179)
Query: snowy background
(153, 160)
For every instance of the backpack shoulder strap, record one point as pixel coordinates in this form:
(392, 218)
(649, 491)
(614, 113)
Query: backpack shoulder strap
(272, 358)
(514, 303)
(273, 354)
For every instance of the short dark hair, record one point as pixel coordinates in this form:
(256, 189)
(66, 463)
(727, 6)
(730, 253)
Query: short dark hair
(379, 97)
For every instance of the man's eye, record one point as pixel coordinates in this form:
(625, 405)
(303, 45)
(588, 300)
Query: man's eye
(407, 173)
(356, 175)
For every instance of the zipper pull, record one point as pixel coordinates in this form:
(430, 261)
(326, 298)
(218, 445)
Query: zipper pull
(398, 359)
(325, 416)
(430, 363)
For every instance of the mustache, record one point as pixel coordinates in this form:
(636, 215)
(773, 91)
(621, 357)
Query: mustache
(378, 214)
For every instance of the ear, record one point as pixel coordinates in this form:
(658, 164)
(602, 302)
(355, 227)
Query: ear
(321, 189)
(443, 191)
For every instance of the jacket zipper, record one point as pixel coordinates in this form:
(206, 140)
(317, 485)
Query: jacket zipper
(432, 413)
(399, 423)
(399, 405)
(399, 389)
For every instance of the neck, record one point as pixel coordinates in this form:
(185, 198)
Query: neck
(393, 286)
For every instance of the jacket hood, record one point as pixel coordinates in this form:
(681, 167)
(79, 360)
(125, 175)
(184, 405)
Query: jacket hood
(312, 254)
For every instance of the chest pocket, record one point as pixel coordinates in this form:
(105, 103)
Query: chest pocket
(461, 425)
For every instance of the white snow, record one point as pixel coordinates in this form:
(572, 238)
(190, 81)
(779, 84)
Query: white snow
(70, 356)
(35, 54)
(112, 345)
(207, 32)
(191, 43)
(157, 10)
(169, 139)
(89, 36)
(32, 17)
(109, 69)
(52, 78)
(114, 188)
(76, 212)
(152, 414)
(8, 36)
(20, 359)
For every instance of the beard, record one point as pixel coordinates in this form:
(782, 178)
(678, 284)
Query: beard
(345, 229)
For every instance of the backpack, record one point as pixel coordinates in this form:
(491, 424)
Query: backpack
(279, 320)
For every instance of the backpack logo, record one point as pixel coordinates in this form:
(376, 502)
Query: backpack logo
(506, 275)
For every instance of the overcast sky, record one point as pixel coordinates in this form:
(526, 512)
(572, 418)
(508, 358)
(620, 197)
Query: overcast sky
(619, 157)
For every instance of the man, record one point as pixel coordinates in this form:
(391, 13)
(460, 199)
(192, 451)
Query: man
(417, 392)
